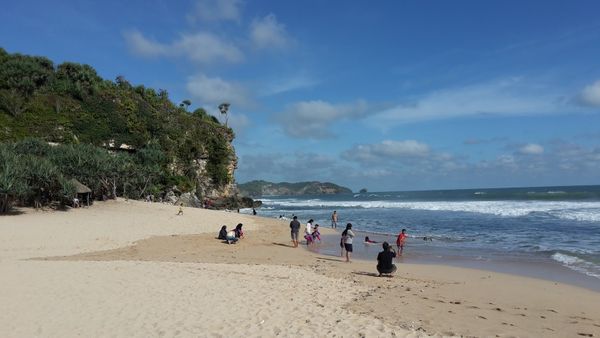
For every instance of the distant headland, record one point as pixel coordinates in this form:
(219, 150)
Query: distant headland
(264, 188)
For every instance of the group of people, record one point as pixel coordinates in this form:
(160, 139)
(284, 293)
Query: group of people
(385, 258)
(231, 236)
(311, 233)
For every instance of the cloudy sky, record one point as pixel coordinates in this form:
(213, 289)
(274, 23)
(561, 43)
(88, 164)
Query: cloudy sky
(387, 95)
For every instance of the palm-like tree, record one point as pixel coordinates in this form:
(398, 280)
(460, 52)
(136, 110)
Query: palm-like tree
(223, 108)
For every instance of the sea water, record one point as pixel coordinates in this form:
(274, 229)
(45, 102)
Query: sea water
(541, 226)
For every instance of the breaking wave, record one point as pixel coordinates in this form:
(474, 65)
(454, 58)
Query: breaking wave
(576, 211)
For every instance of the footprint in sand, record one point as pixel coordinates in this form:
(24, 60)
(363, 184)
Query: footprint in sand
(482, 317)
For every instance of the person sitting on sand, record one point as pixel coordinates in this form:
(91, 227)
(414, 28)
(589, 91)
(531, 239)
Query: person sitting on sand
(239, 233)
(368, 240)
(230, 238)
(384, 260)
(223, 233)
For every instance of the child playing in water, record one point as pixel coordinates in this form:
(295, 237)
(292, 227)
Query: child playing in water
(400, 241)
(368, 240)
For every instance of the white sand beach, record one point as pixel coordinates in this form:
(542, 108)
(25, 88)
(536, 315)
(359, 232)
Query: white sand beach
(128, 268)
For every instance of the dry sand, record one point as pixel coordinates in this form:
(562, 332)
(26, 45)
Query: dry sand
(127, 268)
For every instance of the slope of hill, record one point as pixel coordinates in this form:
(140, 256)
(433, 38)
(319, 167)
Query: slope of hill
(264, 188)
(71, 105)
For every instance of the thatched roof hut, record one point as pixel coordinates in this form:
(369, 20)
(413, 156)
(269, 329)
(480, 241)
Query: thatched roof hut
(80, 188)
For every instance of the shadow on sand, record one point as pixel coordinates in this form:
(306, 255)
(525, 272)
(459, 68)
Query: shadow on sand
(364, 273)
(282, 244)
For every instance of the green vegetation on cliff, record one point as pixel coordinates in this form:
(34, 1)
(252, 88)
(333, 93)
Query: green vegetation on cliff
(264, 188)
(151, 139)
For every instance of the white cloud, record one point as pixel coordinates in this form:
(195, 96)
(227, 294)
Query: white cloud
(216, 10)
(287, 84)
(591, 95)
(314, 119)
(201, 47)
(142, 46)
(531, 149)
(205, 47)
(212, 91)
(268, 33)
(387, 150)
(506, 97)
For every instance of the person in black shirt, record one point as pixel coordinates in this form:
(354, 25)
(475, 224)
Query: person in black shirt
(295, 228)
(223, 233)
(384, 260)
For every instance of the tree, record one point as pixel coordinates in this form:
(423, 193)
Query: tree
(185, 104)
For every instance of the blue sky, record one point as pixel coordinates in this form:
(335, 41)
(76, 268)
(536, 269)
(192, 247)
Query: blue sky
(387, 95)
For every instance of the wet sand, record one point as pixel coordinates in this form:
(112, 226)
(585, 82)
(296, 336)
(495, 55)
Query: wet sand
(418, 251)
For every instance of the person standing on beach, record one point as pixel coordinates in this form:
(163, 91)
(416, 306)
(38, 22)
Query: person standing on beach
(309, 226)
(400, 241)
(347, 236)
(294, 229)
(334, 219)
(180, 210)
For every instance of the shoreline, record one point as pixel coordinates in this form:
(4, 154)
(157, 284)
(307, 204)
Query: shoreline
(542, 268)
(121, 259)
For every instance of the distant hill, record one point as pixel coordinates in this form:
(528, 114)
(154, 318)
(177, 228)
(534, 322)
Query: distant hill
(264, 188)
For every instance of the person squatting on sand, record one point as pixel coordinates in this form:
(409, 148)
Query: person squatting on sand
(347, 236)
(400, 241)
(294, 229)
(384, 260)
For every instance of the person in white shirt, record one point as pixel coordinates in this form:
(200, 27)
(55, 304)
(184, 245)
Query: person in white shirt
(309, 227)
(347, 236)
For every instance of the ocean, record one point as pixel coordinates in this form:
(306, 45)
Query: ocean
(547, 232)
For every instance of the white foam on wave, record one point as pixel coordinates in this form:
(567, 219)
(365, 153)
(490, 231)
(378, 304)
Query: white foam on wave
(577, 264)
(578, 211)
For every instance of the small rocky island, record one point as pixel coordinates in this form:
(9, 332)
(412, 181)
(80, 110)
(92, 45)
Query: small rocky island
(264, 188)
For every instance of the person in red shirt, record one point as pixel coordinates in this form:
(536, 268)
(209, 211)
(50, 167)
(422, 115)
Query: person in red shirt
(400, 241)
